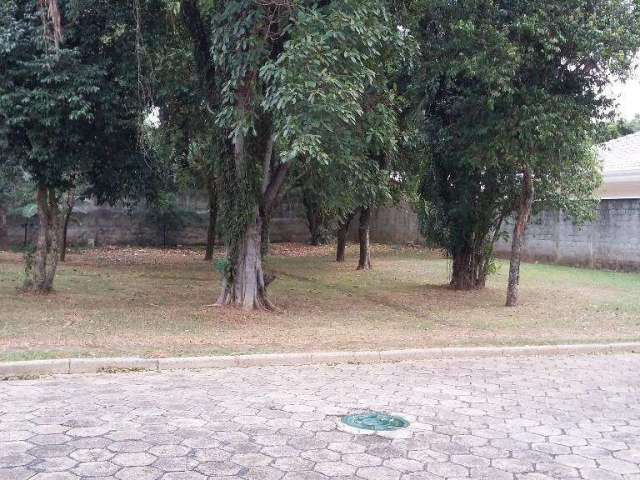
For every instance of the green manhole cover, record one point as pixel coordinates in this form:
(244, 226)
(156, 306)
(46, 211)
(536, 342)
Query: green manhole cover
(379, 422)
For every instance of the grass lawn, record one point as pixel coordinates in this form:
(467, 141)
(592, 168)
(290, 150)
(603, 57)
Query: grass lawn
(148, 302)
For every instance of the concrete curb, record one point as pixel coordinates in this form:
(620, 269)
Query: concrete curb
(121, 364)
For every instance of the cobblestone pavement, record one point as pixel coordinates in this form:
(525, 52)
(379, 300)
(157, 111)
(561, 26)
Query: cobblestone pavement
(491, 418)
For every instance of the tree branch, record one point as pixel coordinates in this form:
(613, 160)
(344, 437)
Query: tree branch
(272, 192)
(192, 19)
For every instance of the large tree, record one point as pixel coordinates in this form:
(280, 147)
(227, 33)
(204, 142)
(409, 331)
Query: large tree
(69, 107)
(511, 91)
(281, 76)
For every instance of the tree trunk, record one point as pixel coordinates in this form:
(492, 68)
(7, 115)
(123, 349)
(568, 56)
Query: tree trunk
(48, 244)
(265, 235)
(245, 285)
(55, 233)
(519, 230)
(65, 228)
(244, 281)
(70, 203)
(464, 273)
(342, 233)
(40, 263)
(3, 227)
(213, 219)
(364, 263)
(314, 218)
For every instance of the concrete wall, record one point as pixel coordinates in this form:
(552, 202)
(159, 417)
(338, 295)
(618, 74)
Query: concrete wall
(103, 225)
(612, 241)
(394, 225)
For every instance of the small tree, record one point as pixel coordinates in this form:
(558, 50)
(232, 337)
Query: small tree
(166, 216)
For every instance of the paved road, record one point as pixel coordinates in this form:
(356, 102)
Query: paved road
(492, 418)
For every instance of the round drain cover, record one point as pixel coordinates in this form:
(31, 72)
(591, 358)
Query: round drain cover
(375, 421)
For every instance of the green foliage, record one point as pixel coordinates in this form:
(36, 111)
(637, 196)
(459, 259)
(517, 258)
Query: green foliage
(367, 164)
(185, 140)
(16, 191)
(30, 210)
(509, 86)
(165, 214)
(295, 75)
(223, 266)
(316, 88)
(73, 112)
(618, 128)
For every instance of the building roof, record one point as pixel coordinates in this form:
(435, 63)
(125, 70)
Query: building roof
(621, 154)
(620, 167)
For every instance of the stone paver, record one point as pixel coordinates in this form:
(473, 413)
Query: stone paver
(488, 418)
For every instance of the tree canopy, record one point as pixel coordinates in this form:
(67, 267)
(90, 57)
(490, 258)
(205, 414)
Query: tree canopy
(484, 110)
(510, 93)
(70, 109)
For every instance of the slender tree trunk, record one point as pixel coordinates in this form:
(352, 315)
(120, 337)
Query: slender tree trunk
(519, 230)
(48, 244)
(55, 234)
(40, 263)
(265, 235)
(343, 231)
(364, 262)
(65, 228)
(3, 227)
(69, 204)
(314, 218)
(213, 219)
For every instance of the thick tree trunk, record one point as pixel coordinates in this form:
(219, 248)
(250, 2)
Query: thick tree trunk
(244, 282)
(519, 230)
(464, 272)
(470, 267)
(364, 262)
(48, 244)
(341, 234)
(213, 219)
(246, 286)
